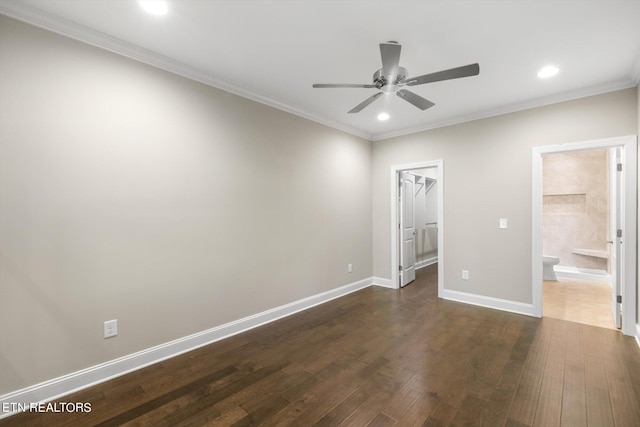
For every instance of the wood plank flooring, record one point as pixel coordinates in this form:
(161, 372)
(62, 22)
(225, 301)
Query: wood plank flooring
(380, 357)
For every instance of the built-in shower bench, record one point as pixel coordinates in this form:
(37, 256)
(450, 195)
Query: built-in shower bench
(597, 253)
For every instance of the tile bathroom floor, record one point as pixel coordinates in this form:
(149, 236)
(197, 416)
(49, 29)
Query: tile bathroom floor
(578, 301)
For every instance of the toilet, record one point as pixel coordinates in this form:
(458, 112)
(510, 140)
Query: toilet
(548, 273)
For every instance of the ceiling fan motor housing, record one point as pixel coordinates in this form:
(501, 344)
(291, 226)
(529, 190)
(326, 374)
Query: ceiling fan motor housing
(389, 84)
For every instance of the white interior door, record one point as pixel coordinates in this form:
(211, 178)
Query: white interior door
(615, 227)
(407, 229)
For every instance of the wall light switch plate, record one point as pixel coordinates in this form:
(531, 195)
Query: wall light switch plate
(465, 274)
(111, 328)
(503, 222)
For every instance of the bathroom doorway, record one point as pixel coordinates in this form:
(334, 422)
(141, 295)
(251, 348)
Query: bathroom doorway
(595, 263)
(577, 243)
(416, 220)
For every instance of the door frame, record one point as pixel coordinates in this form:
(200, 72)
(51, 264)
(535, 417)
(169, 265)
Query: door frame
(395, 241)
(615, 221)
(629, 220)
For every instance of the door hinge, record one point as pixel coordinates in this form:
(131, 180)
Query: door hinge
(619, 167)
(399, 268)
(619, 299)
(619, 233)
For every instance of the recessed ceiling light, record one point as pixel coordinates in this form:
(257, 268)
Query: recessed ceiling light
(548, 71)
(154, 7)
(383, 116)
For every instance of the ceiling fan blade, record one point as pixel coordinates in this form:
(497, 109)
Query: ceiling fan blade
(363, 104)
(323, 85)
(453, 73)
(390, 53)
(414, 99)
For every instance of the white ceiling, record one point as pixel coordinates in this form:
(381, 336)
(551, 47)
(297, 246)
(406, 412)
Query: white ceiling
(273, 51)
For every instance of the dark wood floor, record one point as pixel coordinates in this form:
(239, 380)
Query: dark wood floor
(380, 357)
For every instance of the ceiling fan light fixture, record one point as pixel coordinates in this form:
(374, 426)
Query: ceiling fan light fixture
(548, 71)
(392, 78)
(383, 116)
(154, 7)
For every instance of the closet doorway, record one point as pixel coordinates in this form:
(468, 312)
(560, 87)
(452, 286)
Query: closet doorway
(416, 220)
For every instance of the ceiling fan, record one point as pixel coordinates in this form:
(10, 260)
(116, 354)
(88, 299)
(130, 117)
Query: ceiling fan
(392, 78)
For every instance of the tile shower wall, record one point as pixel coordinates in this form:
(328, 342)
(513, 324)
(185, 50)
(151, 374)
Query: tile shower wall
(575, 207)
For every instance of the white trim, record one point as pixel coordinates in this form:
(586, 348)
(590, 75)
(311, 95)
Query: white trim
(488, 302)
(426, 262)
(26, 13)
(536, 240)
(395, 169)
(385, 283)
(638, 334)
(629, 221)
(67, 384)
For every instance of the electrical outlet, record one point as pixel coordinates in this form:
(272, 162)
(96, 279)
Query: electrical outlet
(111, 328)
(503, 222)
(465, 274)
(349, 268)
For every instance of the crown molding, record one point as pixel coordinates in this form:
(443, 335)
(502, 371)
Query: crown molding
(38, 18)
(512, 108)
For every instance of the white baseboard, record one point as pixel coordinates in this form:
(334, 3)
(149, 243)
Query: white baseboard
(385, 283)
(426, 262)
(67, 384)
(489, 302)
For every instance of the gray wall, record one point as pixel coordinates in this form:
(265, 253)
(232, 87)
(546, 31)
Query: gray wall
(128, 192)
(487, 176)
